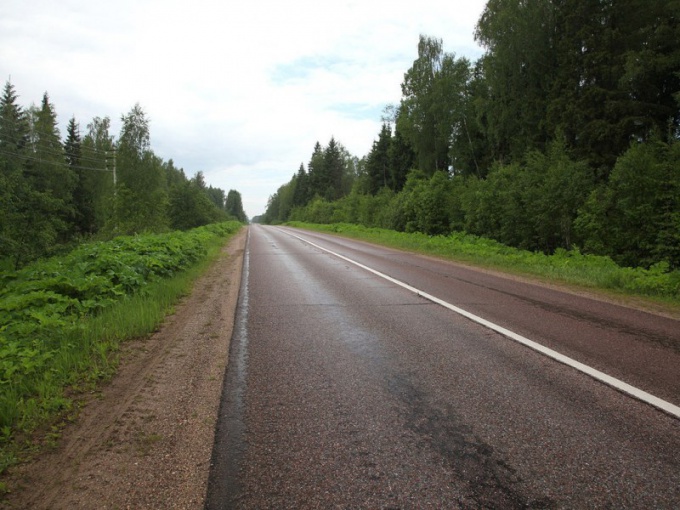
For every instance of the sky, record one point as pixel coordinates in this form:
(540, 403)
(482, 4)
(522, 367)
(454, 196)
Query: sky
(240, 91)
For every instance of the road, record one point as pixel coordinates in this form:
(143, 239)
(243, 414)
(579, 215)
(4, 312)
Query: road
(346, 390)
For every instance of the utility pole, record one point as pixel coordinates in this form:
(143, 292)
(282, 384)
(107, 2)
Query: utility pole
(114, 171)
(115, 183)
(106, 163)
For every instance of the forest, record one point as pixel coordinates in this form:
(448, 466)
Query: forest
(564, 134)
(55, 194)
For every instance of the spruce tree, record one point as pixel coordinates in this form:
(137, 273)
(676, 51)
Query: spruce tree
(13, 140)
(316, 172)
(84, 192)
(378, 163)
(301, 194)
(334, 167)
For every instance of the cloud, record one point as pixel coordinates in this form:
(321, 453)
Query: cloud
(241, 91)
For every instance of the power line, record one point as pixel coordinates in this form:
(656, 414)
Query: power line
(55, 163)
(37, 146)
(45, 148)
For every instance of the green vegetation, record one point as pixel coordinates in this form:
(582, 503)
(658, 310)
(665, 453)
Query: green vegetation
(73, 283)
(571, 267)
(55, 194)
(62, 319)
(564, 135)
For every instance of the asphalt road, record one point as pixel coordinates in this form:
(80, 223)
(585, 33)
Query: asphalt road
(345, 390)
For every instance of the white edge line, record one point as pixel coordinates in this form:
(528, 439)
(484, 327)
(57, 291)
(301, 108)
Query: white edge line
(634, 392)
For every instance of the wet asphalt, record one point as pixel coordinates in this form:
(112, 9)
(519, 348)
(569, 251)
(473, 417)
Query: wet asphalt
(346, 391)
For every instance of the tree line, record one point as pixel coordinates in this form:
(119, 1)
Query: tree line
(55, 193)
(565, 133)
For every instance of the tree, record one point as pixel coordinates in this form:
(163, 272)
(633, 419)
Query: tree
(199, 180)
(471, 151)
(44, 195)
(50, 175)
(402, 160)
(84, 191)
(301, 194)
(378, 162)
(434, 95)
(518, 69)
(616, 75)
(286, 197)
(419, 115)
(141, 194)
(97, 150)
(190, 206)
(635, 217)
(234, 206)
(13, 141)
(334, 169)
(316, 171)
(557, 189)
(271, 215)
(217, 196)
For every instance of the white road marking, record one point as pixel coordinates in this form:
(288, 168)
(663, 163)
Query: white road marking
(634, 392)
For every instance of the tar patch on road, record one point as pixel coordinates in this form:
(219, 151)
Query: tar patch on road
(491, 482)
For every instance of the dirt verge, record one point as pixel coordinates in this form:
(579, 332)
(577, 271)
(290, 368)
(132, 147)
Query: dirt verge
(145, 441)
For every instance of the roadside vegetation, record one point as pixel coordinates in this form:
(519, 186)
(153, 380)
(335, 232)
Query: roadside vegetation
(561, 142)
(570, 267)
(62, 319)
(99, 237)
(55, 194)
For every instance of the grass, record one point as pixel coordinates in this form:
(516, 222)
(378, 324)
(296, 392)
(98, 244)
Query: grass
(656, 286)
(43, 393)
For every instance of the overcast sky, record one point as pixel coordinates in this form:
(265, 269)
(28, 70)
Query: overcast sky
(241, 91)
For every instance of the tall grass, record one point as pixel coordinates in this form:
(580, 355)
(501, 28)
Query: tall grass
(569, 267)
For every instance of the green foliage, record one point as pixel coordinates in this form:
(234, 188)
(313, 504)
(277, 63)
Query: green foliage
(635, 217)
(53, 195)
(602, 73)
(531, 144)
(433, 102)
(426, 204)
(51, 330)
(234, 206)
(141, 199)
(378, 162)
(191, 206)
(531, 206)
(332, 173)
(518, 68)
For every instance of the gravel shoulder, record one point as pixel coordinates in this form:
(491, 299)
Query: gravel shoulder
(145, 440)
